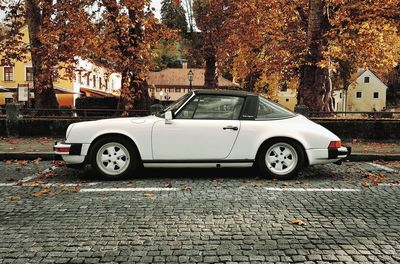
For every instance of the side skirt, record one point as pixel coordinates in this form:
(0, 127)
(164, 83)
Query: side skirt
(198, 163)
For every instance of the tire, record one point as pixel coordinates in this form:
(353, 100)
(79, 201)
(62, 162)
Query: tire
(122, 160)
(281, 159)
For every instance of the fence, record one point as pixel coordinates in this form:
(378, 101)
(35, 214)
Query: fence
(354, 115)
(76, 113)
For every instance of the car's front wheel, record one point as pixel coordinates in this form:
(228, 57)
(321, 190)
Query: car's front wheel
(281, 159)
(114, 158)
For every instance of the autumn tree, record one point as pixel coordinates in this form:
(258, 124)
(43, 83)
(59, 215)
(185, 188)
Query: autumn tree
(314, 41)
(209, 16)
(58, 31)
(173, 15)
(128, 32)
(349, 34)
(263, 43)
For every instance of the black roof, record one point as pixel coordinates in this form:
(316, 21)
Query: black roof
(224, 92)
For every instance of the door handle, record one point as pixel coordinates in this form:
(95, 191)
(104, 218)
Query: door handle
(235, 128)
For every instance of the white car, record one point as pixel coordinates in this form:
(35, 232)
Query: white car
(204, 128)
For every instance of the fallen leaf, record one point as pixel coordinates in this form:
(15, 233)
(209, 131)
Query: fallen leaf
(168, 185)
(75, 189)
(8, 162)
(19, 183)
(285, 184)
(148, 194)
(258, 185)
(43, 192)
(297, 222)
(47, 175)
(13, 197)
(365, 184)
(37, 161)
(58, 163)
(299, 182)
(35, 183)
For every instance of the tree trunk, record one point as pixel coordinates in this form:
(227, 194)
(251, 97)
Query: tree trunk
(45, 96)
(251, 80)
(315, 86)
(210, 74)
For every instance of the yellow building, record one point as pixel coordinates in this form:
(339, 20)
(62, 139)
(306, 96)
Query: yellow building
(288, 98)
(89, 80)
(366, 94)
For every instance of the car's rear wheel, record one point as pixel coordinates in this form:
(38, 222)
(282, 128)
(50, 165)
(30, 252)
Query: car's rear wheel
(114, 158)
(281, 159)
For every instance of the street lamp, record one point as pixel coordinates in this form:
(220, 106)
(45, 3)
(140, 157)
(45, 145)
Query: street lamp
(190, 77)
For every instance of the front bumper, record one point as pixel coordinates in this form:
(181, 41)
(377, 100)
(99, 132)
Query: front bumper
(70, 153)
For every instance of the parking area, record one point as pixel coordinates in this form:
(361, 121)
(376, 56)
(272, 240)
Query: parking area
(52, 214)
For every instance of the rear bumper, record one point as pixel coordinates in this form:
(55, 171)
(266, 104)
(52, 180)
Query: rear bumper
(324, 156)
(70, 153)
(340, 153)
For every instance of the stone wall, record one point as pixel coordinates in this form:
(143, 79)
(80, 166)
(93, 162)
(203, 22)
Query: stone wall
(345, 129)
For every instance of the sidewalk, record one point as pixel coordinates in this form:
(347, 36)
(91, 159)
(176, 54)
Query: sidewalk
(34, 147)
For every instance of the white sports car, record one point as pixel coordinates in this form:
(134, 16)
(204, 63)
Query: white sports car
(204, 128)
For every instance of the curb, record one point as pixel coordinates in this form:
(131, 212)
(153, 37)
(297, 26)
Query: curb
(373, 157)
(29, 156)
(52, 156)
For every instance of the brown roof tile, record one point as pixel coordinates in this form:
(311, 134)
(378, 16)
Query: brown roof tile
(179, 77)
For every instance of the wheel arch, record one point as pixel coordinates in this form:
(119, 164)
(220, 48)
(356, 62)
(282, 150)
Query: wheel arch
(273, 139)
(113, 134)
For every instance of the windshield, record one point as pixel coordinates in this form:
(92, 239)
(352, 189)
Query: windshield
(175, 105)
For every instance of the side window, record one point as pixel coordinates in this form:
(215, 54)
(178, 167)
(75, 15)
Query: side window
(267, 109)
(212, 107)
(188, 111)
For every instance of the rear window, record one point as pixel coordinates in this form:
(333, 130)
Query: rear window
(269, 110)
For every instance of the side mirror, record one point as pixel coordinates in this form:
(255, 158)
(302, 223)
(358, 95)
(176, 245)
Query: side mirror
(168, 117)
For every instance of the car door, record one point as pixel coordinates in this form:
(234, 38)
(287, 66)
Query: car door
(204, 129)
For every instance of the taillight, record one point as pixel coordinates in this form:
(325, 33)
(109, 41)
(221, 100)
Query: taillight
(335, 144)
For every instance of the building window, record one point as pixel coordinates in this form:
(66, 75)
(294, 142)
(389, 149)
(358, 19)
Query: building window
(376, 94)
(177, 90)
(340, 95)
(8, 73)
(29, 74)
(88, 79)
(79, 77)
(358, 94)
(94, 81)
(287, 99)
(158, 89)
(366, 79)
(106, 84)
(100, 83)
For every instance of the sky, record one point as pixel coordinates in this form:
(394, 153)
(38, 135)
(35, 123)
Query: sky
(156, 4)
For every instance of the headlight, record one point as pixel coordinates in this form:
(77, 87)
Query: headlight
(69, 130)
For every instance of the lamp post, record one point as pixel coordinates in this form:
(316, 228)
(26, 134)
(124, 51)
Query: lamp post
(190, 77)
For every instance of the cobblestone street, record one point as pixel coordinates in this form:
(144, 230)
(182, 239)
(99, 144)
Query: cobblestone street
(350, 214)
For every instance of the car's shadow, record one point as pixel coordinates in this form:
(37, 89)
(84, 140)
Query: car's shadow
(310, 173)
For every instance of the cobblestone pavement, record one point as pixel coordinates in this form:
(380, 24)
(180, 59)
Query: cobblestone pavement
(61, 215)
